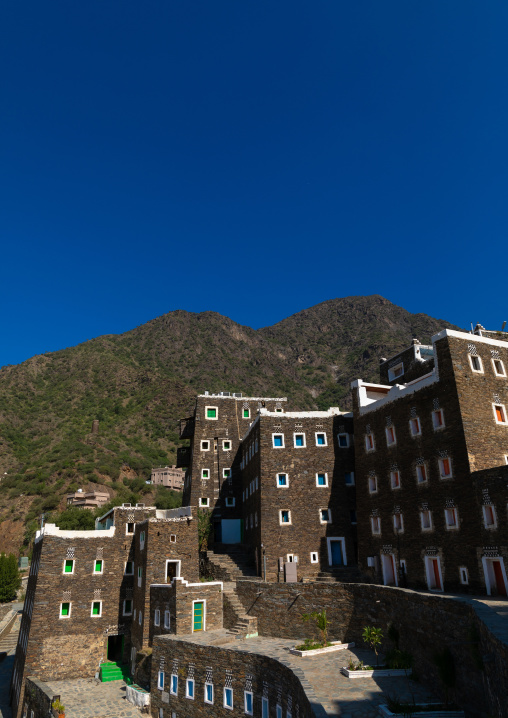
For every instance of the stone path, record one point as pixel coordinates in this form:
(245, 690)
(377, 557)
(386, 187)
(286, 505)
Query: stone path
(8, 644)
(88, 698)
(492, 611)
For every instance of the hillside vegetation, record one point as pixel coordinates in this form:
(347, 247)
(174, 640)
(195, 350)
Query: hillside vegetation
(138, 385)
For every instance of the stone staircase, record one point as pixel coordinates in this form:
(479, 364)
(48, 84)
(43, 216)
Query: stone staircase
(343, 574)
(228, 562)
(238, 623)
(9, 639)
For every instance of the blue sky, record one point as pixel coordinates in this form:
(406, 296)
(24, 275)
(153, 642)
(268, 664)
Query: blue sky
(250, 158)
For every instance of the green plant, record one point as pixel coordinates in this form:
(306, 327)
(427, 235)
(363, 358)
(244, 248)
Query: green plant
(321, 624)
(373, 637)
(445, 665)
(204, 529)
(395, 658)
(10, 577)
(58, 706)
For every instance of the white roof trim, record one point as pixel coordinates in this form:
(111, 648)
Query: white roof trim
(470, 338)
(53, 530)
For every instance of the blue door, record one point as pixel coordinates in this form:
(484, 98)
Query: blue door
(336, 553)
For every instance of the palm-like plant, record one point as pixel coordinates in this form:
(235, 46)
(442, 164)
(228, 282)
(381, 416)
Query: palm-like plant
(373, 636)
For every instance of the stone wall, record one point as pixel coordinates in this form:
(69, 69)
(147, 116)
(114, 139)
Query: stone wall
(178, 598)
(38, 698)
(425, 622)
(238, 670)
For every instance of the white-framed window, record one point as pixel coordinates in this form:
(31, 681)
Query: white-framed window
(140, 617)
(325, 516)
(278, 441)
(370, 444)
(98, 566)
(248, 702)
(228, 698)
(421, 473)
(285, 517)
(391, 439)
(129, 568)
(264, 708)
(349, 478)
(167, 619)
(489, 517)
(211, 413)
(134, 615)
(278, 711)
(142, 540)
(226, 473)
(157, 617)
(291, 558)
(68, 565)
(438, 421)
(499, 413)
(127, 607)
(498, 367)
(245, 413)
(396, 371)
(140, 575)
(372, 484)
(130, 528)
(445, 468)
(398, 523)
(321, 479)
(415, 427)
(282, 481)
(476, 364)
(189, 688)
(256, 519)
(352, 516)
(226, 445)
(96, 610)
(343, 441)
(209, 693)
(321, 439)
(174, 685)
(464, 575)
(160, 680)
(403, 566)
(395, 479)
(299, 440)
(205, 473)
(230, 501)
(426, 520)
(314, 557)
(451, 518)
(204, 501)
(205, 445)
(375, 525)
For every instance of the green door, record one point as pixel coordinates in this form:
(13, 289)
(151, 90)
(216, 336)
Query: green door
(198, 616)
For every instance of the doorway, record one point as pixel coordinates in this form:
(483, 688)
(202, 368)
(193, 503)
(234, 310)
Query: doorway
(115, 648)
(389, 571)
(433, 570)
(495, 576)
(172, 570)
(336, 552)
(198, 616)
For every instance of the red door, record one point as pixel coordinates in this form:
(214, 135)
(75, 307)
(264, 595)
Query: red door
(437, 579)
(498, 573)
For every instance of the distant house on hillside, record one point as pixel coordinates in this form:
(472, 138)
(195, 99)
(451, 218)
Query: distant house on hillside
(89, 499)
(168, 476)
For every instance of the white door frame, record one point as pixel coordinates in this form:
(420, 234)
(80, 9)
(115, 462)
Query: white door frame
(178, 568)
(428, 568)
(203, 601)
(485, 562)
(394, 568)
(343, 547)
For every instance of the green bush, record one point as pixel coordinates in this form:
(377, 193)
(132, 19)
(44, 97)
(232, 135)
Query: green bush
(10, 578)
(75, 518)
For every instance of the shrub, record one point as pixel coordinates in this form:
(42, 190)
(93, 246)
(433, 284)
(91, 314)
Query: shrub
(75, 518)
(10, 579)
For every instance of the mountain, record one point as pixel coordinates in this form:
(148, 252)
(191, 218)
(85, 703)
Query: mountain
(139, 383)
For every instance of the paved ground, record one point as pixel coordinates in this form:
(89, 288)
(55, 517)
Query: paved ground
(8, 644)
(88, 698)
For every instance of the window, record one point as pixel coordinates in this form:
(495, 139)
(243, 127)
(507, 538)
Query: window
(476, 364)
(314, 557)
(208, 692)
(65, 610)
(403, 566)
(499, 369)
(205, 445)
(228, 698)
(205, 473)
(438, 419)
(445, 468)
(167, 619)
(398, 523)
(415, 426)
(321, 479)
(226, 473)
(321, 439)
(426, 520)
(69, 566)
(129, 568)
(278, 711)
(489, 517)
(352, 516)
(421, 473)
(464, 576)
(211, 412)
(325, 516)
(349, 478)
(97, 568)
(174, 685)
(499, 413)
(157, 617)
(299, 440)
(127, 607)
(189, 688)
(226, 445)
(372, 484)
(278, 441)
(230, 501)
(96, 608)
(140, 575)
(370, 444)
(203, 501)
(395, 479)
(375, 524)
(246, 413)
(284, 517)
(160, 681)
(390, 436)
(264, 708)
(140, 618)
(343, 441)
(451, 519)
(129, 528)
(142, 540)
(248, 701)
(282, 480)
(396, 371)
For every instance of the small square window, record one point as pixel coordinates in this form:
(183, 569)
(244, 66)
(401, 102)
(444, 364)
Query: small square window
(499, 369)
(189, 688)
(499, 413)
(426, 520)
(395, 479)
(390, 436)
(203, 501)
(325, 516)
(248, 703)
(130, 528)
(396, 371)
(343, 441)
(349, 478)
(322, 479)
(445, 468)
(127, 607)
(372, 484)
(299, 440)
(279, 411)
(211, 412)
(375, 524)
(205, 473)
(172, 538)
(160, 680)
(282, 480)
(451, 519)
(129, 568)
(464, 575)
(476, 364)
(228, 698)
(284, 517)
(65, 610)
(205, 445)
(226, 445)
(226, 473)
(167, 619)
(321, 439)
(314, 558)
(278, 441)
(352, 516)
(230, 501)
(96, 608)
(438, 419)
(415, 426)
(398, 523)
(489, 517)
(209, 693)
(370, 444)
(157, 617)
(69, 566)
(421, 473)
(246, 414)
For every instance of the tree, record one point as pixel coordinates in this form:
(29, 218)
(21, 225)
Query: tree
(321, 623)
(10, 579)
(373, 636)
(75, 519)
(167, 499)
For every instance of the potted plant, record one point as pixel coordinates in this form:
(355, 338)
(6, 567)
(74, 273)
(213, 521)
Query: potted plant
(58, 708)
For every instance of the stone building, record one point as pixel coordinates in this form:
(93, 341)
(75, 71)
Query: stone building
(88, 499)
(423, 449)
(168, 476)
